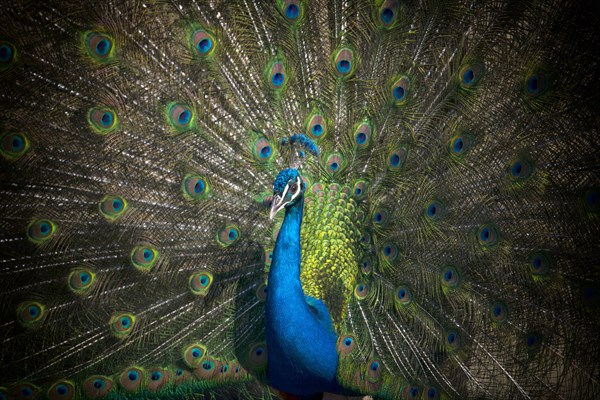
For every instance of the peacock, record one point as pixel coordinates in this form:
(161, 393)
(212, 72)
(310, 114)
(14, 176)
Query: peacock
(299, 199)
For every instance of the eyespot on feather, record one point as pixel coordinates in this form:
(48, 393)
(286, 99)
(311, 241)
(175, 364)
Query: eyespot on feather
(276, 75)
(431, 392)
(540, 263)
(40, 231)
(374, 370)
(194, 354)
(267, 257)
(102, 120)
(97, 386)
(533, 342)
(411, 392)
(263, 150)
(261, 292)
(380, 217)
(81, 280)
(223, 372)
(112, 207)
(235, 371)
(335, 163)
(362, 135)
(203, 43)
(389, 251)
(536, 84)
(316, 127)
(344, 62)
(228, 235)
(30, 314)
(435, 210)
(292, 10)
(121, 324)
(450, 277)
(361, 291)
(144, 257)
(61, 390)
(471, 74)
(360, 190)
(8, 55)
(487, 235)
(132, 379)
(200, 283)
(499, 312)
(24, 390)
(460, 144)
(403, 295)
(397, 158)
(387, 14)
(13, 145)
(158, 379)
(365, 239)
(520, 168)
(257, 356)
(181, 116)
(208, 367)
(99, 46)
(239, 372)
(346, 344)
(452, 340)
(195, 187)
(366, 265)
(180, 376)
(400, 90)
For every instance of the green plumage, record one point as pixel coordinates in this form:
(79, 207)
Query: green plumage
(451, 219)
(330, 245)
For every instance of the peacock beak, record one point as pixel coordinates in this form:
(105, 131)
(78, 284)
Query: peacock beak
(278, 205)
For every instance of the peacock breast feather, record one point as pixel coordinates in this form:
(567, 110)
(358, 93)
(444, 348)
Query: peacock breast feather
(330, 242)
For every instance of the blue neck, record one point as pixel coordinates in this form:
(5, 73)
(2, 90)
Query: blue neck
(301, 343)
(284, 275)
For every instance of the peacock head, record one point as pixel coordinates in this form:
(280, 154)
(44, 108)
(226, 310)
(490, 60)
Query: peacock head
(288, 188)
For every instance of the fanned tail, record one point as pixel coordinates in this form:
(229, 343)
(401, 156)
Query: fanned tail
(451, 216)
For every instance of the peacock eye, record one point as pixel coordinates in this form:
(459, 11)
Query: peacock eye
(293, 187)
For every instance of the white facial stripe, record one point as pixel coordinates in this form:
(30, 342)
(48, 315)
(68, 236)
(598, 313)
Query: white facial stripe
(297, 189)
(285, 190)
